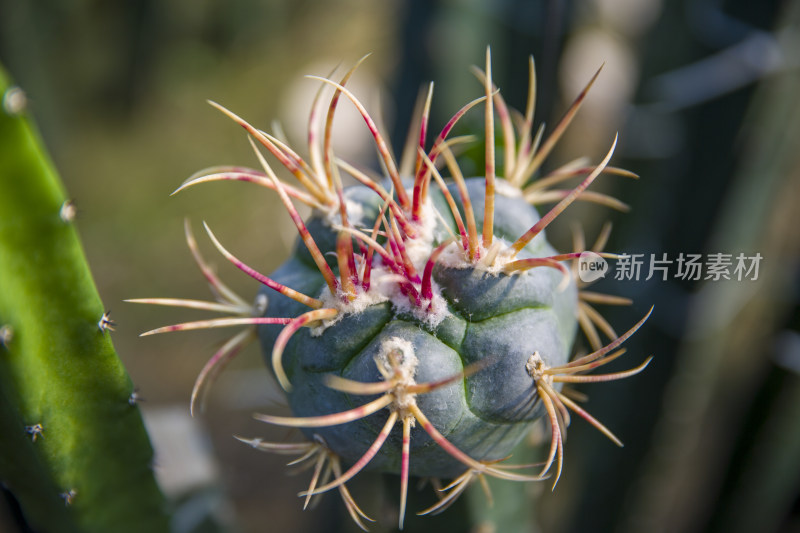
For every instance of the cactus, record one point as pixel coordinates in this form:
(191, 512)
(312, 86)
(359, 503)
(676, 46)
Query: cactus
(73, 449)
(433, 350)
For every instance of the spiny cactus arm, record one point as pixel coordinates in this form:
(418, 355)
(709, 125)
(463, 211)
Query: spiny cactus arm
(64, 377)
(24, 472)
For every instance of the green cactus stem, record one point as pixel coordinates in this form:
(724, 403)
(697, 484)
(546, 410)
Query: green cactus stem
(73, 449)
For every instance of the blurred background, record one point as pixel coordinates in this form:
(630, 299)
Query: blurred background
(704, 95)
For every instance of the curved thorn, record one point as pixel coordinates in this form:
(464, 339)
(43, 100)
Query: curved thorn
(437, 147)
(568, 171)
(190, 304)
(362, 462)
(589, 418)
(283, 448)
(564, 370)
(216, 323)
(352, 508)
(563, 204)
(379, 142)
(312, 451)
(602, 238)
(362, 177)
(555, 428)
(217, 286)
(315, 477)
(287, 162)
(504, 117)
(607, 299)
(555, 195)
(303, 176)
(249, 178)
(305, 235)
(404, 467)
(314, 146)
(457, 454)
(283, 338)
(423, 127)
(610, 346)
(427, 277)
(466, 202)
(518, 177)
(597, 378)
(526, 264)
(450, 201)
(488, 205)
(215, 365)
(357, 387)
(588, 327)
(328, 420)
(409, 154)
(456, 488)
(327, 148)
(420, 189)
(269, 282)
(551, 141)
(598, 320)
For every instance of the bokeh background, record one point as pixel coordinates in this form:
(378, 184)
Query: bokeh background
(704, 95)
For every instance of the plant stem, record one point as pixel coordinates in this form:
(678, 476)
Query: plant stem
(58, 368)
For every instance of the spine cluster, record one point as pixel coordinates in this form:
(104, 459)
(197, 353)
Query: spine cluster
(396, 246)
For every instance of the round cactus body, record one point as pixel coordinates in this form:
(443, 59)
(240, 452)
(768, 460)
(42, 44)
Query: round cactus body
(492, 319)
(420, 326)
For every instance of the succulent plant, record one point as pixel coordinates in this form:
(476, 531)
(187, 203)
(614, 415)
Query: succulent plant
(421, 325)
(68, 409)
